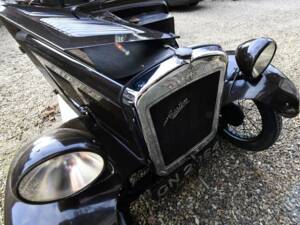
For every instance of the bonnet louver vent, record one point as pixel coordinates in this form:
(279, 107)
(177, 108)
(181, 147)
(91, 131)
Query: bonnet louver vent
(87, 27)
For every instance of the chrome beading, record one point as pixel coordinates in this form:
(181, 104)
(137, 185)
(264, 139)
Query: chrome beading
(172, 75)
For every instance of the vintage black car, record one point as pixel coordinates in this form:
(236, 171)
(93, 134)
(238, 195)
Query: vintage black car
(140, 111)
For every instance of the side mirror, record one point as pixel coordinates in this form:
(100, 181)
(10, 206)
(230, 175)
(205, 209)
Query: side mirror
(254, 56)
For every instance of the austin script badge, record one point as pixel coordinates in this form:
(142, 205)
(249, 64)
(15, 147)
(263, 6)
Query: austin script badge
(173, 113)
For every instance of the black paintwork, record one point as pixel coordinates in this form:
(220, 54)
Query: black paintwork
(247, 53)
(135, 58)
(91, 73)
(98, 202)
(94, 210)
(272, 88)
(25, 17)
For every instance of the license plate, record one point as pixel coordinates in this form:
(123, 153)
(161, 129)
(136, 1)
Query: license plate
(175, 179)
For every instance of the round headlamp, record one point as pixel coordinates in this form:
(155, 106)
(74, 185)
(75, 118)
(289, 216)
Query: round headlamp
(254, 56)
(61, 177)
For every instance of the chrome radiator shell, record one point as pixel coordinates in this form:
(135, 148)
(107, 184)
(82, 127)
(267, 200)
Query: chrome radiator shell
(172, 75)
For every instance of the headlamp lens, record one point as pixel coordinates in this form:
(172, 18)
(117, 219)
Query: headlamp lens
(61, 176)
(264, 60)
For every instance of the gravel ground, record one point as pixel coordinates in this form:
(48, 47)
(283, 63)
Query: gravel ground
(233, 187)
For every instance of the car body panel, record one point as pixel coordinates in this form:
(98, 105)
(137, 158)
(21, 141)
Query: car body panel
(98, 203)
(97, 94)
(73, 33)
(95, 210)
(272, 88)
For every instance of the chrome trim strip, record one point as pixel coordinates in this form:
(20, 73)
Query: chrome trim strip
(73, 81)
(172, 75)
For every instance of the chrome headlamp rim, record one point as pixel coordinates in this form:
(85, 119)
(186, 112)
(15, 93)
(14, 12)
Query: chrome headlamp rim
(248, 53)
(272, 42)
(51, 157)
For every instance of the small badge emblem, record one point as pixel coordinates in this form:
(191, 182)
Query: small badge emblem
(173, 113)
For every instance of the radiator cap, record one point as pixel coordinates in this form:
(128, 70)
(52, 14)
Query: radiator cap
(184, 53)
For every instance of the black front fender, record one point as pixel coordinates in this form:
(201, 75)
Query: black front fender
(98, 204)
(94, 210)
(273, 88)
